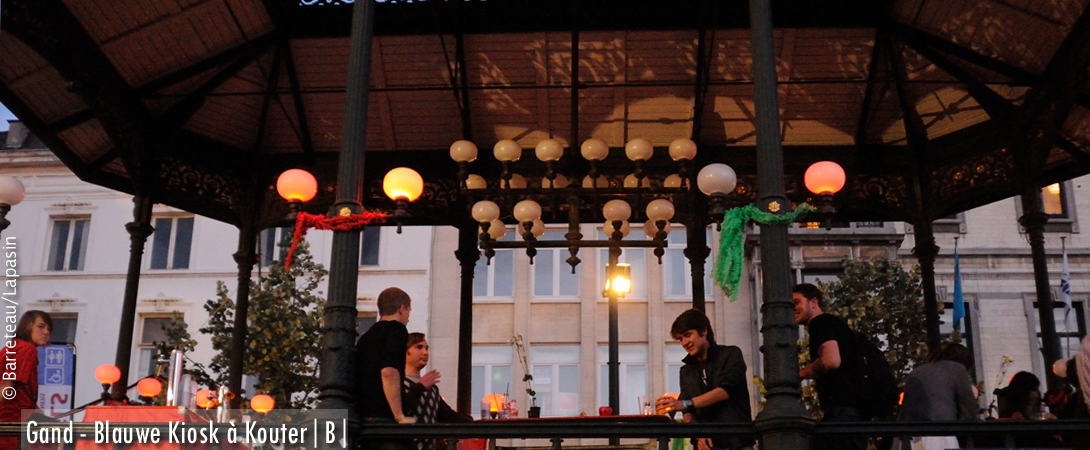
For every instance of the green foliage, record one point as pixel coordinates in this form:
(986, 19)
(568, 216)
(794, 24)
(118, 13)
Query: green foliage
(282, 343)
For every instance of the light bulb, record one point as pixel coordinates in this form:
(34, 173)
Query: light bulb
(403, 182)
(549, 150)
(527, 211)
(12, 190)
(650, 228)
(630, 181)
(672, 181)
(560, 182)
(716, 179)
(824, 177)
(474, 181)
(538, 229)
(617, 210)
(683, 148)
(485, 211)
(608, 228)
(639, 149)
(517, 182)
(594, 149)
(497, 229)
(463, 151)
(588, 182)
(660, 209)
(507, 150)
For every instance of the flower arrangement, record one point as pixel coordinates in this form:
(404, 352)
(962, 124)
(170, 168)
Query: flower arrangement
(520, 347)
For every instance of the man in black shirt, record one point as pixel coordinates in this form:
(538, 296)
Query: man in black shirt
(832, 364)
(713, 381)
(380, 354)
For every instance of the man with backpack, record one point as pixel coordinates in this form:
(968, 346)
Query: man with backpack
(833, 363)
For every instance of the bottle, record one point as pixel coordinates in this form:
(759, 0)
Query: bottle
(648, 409)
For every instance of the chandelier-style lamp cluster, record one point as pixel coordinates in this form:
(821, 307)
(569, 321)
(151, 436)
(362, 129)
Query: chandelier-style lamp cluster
(549, 151)
(825, 178)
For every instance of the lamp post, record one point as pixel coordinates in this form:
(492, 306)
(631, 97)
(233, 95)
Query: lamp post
(402, 185)
(11, 194)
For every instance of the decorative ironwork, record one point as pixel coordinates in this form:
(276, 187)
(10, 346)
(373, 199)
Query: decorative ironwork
(184, 178)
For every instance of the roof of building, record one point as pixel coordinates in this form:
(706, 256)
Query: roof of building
(209, 100)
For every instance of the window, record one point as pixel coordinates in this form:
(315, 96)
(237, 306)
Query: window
(556, 379)
(68, 243)
(1054, 200)
(498, 278)
(552, 274)
(171, 242)
(1069, 338)
(151, 332)
(369, 242)
(673, 356)
(946, 325)
(364, 321)
(636, 257)
(491, 373)
(273, 244)
(64, 330)
(676, 270)
(954, 223)
(633, 377)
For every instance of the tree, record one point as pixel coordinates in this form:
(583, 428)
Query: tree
(882, 301)
(282, 345)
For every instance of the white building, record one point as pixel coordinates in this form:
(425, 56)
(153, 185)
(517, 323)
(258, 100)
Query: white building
(73, 250)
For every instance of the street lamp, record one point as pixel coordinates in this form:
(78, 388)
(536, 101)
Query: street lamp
(262, 403)
(402, 185)
(11, 193)
(824, 179)
(107, 375)
(716, 181)
(297, 186)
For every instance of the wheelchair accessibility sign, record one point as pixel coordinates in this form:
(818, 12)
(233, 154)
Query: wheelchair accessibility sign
(56, 364)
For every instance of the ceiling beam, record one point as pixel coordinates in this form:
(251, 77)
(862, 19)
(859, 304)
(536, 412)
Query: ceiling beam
(1018, 76)
(868, 91)
(994, 104)
(271, 83)
(297, 98)
(915, 134)
(255, 46)
(180, 113)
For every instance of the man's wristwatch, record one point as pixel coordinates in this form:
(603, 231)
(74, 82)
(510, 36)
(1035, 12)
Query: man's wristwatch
(687, 406)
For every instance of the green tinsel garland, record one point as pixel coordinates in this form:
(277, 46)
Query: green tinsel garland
(727, 271)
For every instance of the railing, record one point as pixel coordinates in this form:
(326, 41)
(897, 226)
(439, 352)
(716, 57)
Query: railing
(992, 431)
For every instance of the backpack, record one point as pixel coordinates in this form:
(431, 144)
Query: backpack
(878, 387)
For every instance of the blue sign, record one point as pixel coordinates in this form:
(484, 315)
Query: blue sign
(56, 367)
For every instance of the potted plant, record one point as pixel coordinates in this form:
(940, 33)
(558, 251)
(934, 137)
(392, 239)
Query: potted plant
(534, 411)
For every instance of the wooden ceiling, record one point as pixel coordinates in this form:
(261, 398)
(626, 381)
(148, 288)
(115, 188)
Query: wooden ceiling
(207, 100)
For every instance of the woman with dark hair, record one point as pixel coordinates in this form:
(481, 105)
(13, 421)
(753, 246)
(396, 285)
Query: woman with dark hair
(1023, 397)
(940, 390)
(21, 393)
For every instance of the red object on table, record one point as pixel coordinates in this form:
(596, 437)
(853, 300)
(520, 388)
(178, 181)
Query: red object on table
(605, 411)
(148, 414)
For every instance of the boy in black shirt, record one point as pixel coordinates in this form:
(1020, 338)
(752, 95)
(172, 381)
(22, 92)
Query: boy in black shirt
(832, 356)
(380, 354)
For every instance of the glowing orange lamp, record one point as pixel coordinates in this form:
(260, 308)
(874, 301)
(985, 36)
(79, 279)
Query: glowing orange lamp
(825, 178)
(297, 185)
(495, 403)
(107, 374)
(402, 185)
(262, 403)
(203, 398)
(149, 387)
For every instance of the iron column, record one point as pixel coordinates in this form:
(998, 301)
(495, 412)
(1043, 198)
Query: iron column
(139, 230)
(783, 423)
(339, 315)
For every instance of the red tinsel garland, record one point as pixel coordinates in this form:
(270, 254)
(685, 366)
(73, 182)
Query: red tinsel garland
(354, 222)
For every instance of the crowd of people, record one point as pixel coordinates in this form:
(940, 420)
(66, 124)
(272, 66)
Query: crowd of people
(714, 386)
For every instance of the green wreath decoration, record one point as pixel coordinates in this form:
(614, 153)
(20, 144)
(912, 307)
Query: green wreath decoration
(727, 271)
